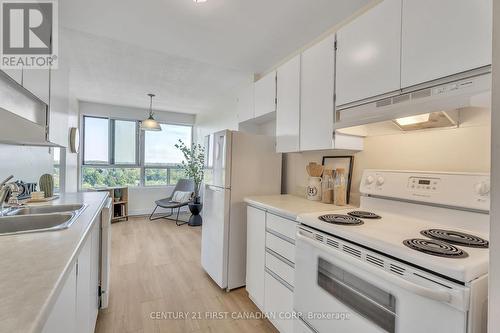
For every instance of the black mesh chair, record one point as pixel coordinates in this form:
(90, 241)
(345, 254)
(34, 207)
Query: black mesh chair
(185, 185)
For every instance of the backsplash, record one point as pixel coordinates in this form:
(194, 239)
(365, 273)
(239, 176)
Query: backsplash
(25, 163)
(464, 149)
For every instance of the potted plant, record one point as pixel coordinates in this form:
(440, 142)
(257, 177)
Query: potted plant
(194, 168)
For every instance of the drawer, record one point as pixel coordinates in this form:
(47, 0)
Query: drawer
(280, 268)
(280, 246)
(281, 225)
(279, 302)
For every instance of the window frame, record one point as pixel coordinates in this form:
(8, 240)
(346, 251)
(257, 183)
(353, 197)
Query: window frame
(139, 151)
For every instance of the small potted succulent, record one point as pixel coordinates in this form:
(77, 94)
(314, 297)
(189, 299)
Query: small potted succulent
(194, 168)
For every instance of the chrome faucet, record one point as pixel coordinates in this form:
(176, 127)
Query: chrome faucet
(5, 187)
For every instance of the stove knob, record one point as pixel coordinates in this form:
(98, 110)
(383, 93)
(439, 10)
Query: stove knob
(482, 188)
(380, 181)
(369, 180)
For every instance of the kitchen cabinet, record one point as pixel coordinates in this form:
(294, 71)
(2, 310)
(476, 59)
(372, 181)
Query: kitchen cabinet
(16, 74)
(37, 82)
(270, 265)
(256, 243)
(83, 288)
(265, 95)
(316, 98)
(76, 307)
(62, 318)
(441, 38)
(288, 106)
(369, 52)
(245, 103)
(279, 301)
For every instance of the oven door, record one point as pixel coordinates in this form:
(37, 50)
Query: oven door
(337, 292)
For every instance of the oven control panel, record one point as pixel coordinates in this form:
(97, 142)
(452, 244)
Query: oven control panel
(465, 190)
(421, 184)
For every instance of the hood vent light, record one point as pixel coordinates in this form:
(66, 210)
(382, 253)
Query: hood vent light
(440, 119)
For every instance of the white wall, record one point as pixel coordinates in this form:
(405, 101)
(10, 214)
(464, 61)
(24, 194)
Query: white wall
(494, 276)
(25, 163)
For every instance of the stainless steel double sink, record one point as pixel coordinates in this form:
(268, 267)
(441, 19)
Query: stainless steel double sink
(39, 218)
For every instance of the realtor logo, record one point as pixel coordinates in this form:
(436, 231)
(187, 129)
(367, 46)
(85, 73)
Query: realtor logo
(29, 34)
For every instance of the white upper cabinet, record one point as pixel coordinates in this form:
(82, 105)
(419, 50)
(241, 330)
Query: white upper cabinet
(37, 82)
(265, 94)
(444, 37)
(368, 54)
(16, 74)
(245, 102)
(288, 107)
(316, 102)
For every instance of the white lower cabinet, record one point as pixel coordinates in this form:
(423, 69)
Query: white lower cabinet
(256, 253)
(270, 265)
(76, 307)
(278, 303)
(62, 318)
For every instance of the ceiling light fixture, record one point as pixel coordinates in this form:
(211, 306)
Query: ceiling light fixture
(200, 1)
(150, 124)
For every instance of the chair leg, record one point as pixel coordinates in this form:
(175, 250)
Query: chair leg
(152, 217)
(177, 218)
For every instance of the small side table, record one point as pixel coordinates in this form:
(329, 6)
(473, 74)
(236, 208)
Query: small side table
(195, 220)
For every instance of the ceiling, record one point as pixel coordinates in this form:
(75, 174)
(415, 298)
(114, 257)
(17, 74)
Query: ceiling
(193, 52)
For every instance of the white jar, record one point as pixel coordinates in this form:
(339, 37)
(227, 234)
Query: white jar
(313, 190)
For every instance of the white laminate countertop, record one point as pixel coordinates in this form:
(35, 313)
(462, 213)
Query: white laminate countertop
(289, 206)
(33, 266)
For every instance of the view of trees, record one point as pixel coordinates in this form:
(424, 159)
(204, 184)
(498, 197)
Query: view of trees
(104, 177)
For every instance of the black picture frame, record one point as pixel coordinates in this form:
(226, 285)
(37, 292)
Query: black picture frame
(350, 159)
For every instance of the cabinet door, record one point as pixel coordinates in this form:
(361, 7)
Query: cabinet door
(265, 95)
(16, 74)
(369, 54)
(279, 301)
(288, 107)
(83, 288)
(256, 254)
(62, 318)
(94, 274)
(245, 104)
(37, 81)
(316, 102)
(444, 37)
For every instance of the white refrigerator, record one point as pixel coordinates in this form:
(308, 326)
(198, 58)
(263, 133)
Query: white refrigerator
(238, 165)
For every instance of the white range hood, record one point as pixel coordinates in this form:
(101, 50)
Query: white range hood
(24, 118)
(431, 105)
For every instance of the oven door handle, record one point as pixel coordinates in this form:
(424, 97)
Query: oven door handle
(439, 295)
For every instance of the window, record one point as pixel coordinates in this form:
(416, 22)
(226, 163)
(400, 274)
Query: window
(124, 142)
(57, 169)
(117, 153)
(161, 158)
(96, 142)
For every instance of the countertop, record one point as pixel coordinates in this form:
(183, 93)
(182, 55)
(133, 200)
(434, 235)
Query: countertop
(289, 206)
(34, 266)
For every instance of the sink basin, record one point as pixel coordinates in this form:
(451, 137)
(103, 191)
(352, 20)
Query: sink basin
(30, 210)
(35, 223)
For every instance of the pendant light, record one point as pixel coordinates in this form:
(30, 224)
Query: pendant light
(150, 124)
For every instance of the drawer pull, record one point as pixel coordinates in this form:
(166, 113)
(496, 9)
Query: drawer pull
(279, 279)
(280, 257)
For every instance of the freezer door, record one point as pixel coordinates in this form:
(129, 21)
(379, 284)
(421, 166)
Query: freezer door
(222, 159)
(215, 233)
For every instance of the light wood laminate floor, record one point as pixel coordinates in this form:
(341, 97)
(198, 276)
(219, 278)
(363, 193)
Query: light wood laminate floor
(156, 272)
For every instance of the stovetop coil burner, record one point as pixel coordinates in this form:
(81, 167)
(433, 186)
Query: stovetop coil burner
(456, 237)
(340, 219)
(364, 215)
(436, 248)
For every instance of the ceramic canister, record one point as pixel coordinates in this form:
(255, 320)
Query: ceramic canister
(314, 189)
